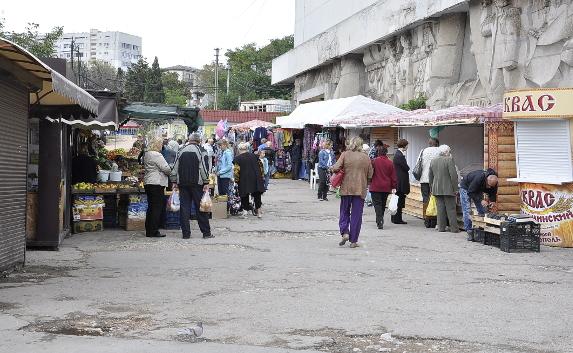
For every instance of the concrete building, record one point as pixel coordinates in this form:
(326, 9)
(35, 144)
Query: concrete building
(450, 51)
(267, 105)
(187, 74)
(116, 48)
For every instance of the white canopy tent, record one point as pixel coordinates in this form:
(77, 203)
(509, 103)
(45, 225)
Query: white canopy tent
(321, 113)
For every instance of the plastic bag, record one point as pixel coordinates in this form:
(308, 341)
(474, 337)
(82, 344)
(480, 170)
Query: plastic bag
(174, 203)
(432, 209)
(206, 203)
(393, 205)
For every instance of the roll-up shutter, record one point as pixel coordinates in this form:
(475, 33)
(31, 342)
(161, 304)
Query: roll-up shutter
(13, 157)
(543, 151)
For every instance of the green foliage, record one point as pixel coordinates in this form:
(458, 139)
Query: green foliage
(414, 104)
(41, 45)
(101, 75)
(136, 81)
(154, 87)
(250, 74)
(176, 92)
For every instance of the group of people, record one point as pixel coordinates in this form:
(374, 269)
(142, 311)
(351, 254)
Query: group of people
(371, 171)
(189, 171)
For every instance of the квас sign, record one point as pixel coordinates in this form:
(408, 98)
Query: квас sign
(538, 103)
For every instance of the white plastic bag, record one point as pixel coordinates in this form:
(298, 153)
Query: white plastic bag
(393, 205)
(206, 203)
(174, 202)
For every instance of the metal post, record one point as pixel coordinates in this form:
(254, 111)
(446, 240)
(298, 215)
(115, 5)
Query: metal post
(228, 78)
(216, 77)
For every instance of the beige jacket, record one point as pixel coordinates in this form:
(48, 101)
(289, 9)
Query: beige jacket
(357, 171)
(156, 169)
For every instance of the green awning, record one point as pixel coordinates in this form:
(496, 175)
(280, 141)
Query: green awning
(161, 113)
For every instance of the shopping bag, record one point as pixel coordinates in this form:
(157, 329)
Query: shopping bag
(174, 203)
(337, 193)
(432, 209)
(206, 203)
(337, 178)
(393, 205)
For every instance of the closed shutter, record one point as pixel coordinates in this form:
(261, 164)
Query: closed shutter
(543, 151)
(13, 157)
(388, 135)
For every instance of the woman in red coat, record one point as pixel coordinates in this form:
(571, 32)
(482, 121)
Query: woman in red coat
(383, 183)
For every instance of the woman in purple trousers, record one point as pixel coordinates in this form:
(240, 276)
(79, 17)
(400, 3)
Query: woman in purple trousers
(357, 171)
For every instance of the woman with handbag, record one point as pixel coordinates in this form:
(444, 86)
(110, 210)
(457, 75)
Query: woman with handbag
(156, 179)
(403, 179)
(383, 183)
(357, 170)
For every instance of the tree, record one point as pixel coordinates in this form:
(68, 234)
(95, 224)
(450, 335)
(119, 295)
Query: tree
(136, 81)
(176, 92)
(154, 87)
(250, 74)
(101, 75)
(40, 45)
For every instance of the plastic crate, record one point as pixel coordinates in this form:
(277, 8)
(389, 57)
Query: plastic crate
(478, 235)
(520, 237)
(171, 220)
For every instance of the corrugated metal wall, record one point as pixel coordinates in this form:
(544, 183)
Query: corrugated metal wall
(14, 102)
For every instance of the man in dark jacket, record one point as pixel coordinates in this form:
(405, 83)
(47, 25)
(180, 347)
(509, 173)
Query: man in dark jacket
(472, 188)
(84, 168)
(296, 158)
(192, 172)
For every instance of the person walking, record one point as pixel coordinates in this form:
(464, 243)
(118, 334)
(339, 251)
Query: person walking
(383, 183)
(403, 179)
(472, 188)
(224, 168)
(428, 154)
(357, 171)
(443, 178)
(249, 176)
(192, 172)
(155, 180)
(296, 158)
(325, 161)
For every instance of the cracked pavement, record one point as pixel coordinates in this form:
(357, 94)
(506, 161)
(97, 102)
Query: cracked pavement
(282, 284)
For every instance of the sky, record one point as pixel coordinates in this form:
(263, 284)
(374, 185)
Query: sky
(181, 32)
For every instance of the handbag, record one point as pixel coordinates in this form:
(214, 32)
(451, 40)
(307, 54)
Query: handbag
(417, 171)
(337, 178)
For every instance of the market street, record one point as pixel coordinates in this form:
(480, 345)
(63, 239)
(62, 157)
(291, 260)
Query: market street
(283, 283)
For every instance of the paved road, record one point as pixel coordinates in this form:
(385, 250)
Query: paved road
(282, 284)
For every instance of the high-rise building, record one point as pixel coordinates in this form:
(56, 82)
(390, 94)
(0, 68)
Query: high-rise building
(116, 48)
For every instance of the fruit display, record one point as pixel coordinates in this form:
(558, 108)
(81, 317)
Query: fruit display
(111, 155)
(83, 188)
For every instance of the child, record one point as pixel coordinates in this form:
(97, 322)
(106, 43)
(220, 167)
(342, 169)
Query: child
(266, 171)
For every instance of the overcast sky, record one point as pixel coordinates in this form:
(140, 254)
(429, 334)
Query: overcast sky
(178, 32)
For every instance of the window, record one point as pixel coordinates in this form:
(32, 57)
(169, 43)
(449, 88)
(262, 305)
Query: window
(543, 151)
(66, 46)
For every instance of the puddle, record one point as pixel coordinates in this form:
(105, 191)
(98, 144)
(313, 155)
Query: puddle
(37, 274)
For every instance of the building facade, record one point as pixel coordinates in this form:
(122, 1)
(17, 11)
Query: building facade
(449, 51)
(116, 48)
(267, 105)
(187, 74)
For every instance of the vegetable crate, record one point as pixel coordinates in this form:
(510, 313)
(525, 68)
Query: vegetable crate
(171, 221)
(520, 237)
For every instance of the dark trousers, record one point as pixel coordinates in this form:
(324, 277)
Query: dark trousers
(295, 169)
(429, 221)
(379, 200)
(397, 218)
(192, 194)
(155, 206)
(246, 204)
(447, 213)
(322, 183)
(223, 185)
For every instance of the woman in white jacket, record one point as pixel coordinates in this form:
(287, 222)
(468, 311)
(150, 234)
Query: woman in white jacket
(155, 180)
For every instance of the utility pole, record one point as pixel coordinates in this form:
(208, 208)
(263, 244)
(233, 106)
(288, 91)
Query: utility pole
(228, 77)
(72, 45)
(216, 77)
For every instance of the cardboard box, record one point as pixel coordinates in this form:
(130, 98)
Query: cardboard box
(219, 210)
(135, 224)
(88, 226)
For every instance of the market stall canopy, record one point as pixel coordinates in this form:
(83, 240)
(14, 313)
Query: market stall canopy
(49, 88)
(323, 112)
(458, 115)
(161, 113)
(253, 124)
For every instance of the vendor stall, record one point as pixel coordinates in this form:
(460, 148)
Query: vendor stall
(542, 119)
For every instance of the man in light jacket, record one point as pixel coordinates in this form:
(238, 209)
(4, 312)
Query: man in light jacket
(191, 170)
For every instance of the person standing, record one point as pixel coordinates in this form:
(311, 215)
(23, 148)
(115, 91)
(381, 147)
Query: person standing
(224, 168)
(383, 183)
(249, 176)
(443, 178)
(84, 167)
(325, 161)
(357, 171)
(373, 153)
(208, 147)
(155, 180)
(296, 158)
(266, 169)
(428, 155)
(472, 188)
(403, 179)
(192, 171)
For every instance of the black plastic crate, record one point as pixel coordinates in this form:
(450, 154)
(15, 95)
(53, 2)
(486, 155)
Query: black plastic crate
(520, 237)
(491, 239)
(478, 235)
